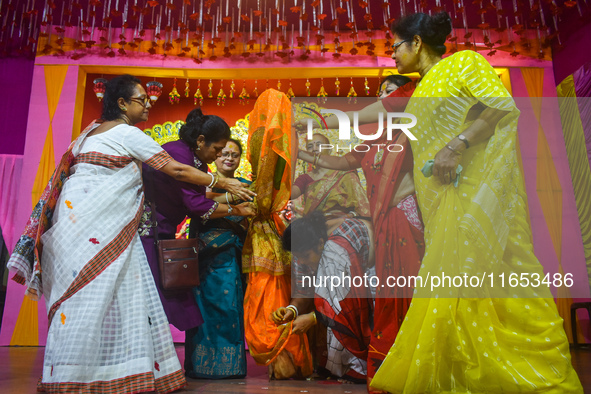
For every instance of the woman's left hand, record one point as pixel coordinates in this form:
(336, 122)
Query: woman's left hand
(237, 188)
(445, 164)
(245, 209)
(303, 323)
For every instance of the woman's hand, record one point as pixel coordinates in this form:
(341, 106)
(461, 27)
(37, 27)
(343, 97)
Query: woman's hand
(303, 323)
(300, 125)
(446, 162)
(245, 209)
(281, 315)
(237, 188)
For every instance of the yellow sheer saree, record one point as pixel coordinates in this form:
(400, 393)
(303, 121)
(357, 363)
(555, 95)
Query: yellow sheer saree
(488, 339)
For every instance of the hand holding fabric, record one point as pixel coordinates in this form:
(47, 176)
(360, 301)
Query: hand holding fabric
(234, 186)
(428, 171)
(303, 323)
(245, 209)
(282, 315)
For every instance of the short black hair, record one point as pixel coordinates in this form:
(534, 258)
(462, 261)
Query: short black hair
(306, 233)
(433, 30)
(396, 79)
(211, 127)
(122, 86)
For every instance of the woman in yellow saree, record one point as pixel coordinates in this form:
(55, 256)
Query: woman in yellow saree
(491, 339)
(263, 258)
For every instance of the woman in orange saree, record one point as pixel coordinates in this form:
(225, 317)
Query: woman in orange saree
(263, 258)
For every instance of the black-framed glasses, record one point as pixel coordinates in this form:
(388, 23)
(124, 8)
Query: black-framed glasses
(397, 44)
(142, 101)
(234, 155)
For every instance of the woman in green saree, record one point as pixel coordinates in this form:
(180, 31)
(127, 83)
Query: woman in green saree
(215, 349)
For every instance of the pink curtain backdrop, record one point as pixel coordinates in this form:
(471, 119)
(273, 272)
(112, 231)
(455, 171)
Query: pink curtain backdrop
(572, 256)
(37, 127)
(10, 174)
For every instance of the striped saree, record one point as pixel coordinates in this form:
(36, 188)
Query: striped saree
(107, 329)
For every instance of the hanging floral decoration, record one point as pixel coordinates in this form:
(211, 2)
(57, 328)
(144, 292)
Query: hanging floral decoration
(255, 92)
(279, 84)
(379, 86)
(198, 97)
(337, 87)
(232, 86)
(290, 92)
(322, 93)
(177, 28)
(221, 100)
(174, 96)
(244, 96)
(154, 90)
(366, 87)
(99, 88)
(187, 89)
(210, 89)
(352, 95)
(307, 87)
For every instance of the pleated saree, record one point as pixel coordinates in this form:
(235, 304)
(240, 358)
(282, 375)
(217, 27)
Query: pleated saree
(489, 339)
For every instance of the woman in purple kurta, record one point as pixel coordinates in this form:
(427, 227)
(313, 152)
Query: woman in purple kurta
(202, 139)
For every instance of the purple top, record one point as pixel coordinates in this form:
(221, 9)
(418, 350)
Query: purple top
(175, 199)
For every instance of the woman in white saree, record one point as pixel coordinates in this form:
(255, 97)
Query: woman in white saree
(107, 330)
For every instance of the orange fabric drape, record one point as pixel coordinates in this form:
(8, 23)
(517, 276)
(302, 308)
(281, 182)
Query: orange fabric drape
(54, 81)
(263, 257)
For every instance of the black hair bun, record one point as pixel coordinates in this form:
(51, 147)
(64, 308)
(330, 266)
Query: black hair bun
(442, 23)
(195, 117)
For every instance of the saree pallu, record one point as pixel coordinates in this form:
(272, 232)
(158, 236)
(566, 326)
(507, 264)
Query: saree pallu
(336, 194)
(263, 257)
(107, 329)
(488, 339)
(215, 349)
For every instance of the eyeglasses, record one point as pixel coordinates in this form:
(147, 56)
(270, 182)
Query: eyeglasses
(142, 101)
(397, 44)
(235, 155)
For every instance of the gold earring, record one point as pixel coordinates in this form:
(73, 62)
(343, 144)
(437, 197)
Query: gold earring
(198, 147)
(123, 109)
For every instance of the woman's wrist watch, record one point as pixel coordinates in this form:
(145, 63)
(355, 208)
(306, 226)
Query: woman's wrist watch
(463, 138)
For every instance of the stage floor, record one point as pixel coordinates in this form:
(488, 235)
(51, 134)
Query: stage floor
(20, 369)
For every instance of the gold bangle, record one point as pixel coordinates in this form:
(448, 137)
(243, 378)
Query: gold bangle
(215, 182)
(294, 310)
(314, 316)
(316, 157)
